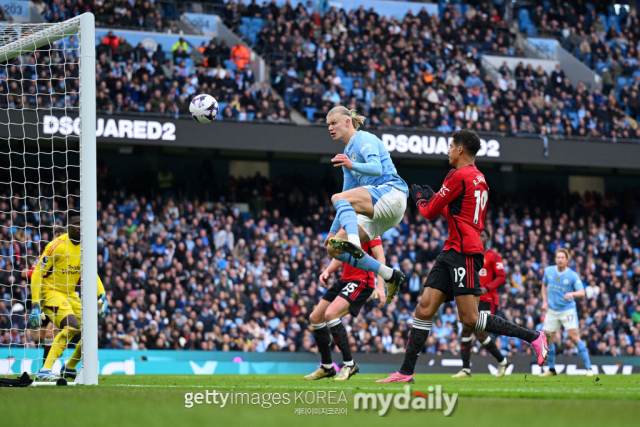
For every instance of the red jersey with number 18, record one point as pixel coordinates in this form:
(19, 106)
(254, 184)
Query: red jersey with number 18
(350, 274)
(462, 199)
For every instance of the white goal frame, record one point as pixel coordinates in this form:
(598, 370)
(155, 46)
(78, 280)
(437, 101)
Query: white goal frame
(84, 27)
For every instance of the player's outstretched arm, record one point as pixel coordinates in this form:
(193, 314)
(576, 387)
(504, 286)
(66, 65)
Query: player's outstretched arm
(433, 207)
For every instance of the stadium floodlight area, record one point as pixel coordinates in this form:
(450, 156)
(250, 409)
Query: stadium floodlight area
(46, 69)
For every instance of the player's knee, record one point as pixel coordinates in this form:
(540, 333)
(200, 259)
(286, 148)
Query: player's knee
(424, 312)
(482, 336)
(469, 320)
(316, 317)
(336, 197)
(72, 323)
(466, 331)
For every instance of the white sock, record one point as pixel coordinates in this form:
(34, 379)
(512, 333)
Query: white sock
(349, 363)
(385, 272)
(328, 366)
(354, 238)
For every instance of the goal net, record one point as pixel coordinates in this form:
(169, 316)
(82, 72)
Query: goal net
(47, 177)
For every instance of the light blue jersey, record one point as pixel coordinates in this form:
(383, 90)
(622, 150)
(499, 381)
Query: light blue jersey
(558, 285)
(372, 164)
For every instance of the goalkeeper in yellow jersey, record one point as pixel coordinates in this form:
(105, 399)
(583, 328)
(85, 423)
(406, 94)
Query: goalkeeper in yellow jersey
(53, 285)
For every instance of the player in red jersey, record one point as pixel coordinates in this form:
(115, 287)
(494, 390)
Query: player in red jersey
(462, 199)
(491, 277)
(354, 289)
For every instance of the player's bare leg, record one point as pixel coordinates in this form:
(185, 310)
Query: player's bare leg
(322, 336)
(469, 316)
(338, 309)
(428, 306)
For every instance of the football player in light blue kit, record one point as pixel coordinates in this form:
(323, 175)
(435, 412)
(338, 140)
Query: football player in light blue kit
(560, 285)
(373, 197)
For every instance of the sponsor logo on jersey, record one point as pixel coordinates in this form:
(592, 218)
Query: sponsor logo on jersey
(566, 281)
(364, 148)
(483, 272)
(499, 266)
(443, 191)
(44, 261)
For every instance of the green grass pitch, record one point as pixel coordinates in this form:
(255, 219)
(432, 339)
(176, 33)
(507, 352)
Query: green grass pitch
(159, 400)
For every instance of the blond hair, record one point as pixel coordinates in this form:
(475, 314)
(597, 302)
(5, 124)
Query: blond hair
(565, 252)
(356, 120)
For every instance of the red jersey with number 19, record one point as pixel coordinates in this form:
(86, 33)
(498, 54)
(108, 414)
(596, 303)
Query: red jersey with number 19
(350, 274)
(462, 199)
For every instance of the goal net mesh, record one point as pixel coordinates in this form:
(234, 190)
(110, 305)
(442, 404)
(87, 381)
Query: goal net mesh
(39, 181)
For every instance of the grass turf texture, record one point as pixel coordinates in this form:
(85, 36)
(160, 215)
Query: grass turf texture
(159, 400)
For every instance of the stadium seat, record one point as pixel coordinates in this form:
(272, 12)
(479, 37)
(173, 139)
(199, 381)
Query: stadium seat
(230, 65)
(251, 116)
(347, 85)
(310, 111)
(622, 81)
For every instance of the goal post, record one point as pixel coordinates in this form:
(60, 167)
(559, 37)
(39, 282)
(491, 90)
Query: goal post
(27, 96)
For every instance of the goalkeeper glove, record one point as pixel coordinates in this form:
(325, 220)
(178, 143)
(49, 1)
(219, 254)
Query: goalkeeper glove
(421, 195)
(104, 306)
(34, 318)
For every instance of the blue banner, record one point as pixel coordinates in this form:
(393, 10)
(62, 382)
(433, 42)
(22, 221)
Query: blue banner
(16, 9)
(203, 22)
(544, 46)
(128, 362)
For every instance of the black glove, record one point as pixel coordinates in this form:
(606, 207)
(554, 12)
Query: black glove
(420, 195)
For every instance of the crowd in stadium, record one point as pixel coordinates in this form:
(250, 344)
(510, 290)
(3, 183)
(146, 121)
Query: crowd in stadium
(185, 274)
(421, 71)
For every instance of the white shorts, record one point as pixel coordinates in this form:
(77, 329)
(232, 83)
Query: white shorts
(553, 319)
(389, 205)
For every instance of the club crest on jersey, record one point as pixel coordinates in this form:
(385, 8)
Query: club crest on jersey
(478, 180)
(353, 156)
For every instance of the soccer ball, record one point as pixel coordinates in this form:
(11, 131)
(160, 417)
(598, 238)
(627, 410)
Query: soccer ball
(203, 108)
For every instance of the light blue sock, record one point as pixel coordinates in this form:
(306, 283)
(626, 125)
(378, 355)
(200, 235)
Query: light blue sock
(584, 353)
(551, 358)
(368, 263)
(347, 216)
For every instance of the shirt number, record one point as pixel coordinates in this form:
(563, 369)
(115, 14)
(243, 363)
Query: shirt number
(481, 203)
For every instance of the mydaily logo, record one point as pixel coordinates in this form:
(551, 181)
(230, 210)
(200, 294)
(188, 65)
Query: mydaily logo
(434, 399)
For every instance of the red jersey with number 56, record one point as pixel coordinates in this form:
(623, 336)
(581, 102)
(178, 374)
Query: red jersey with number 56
(462, 199)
